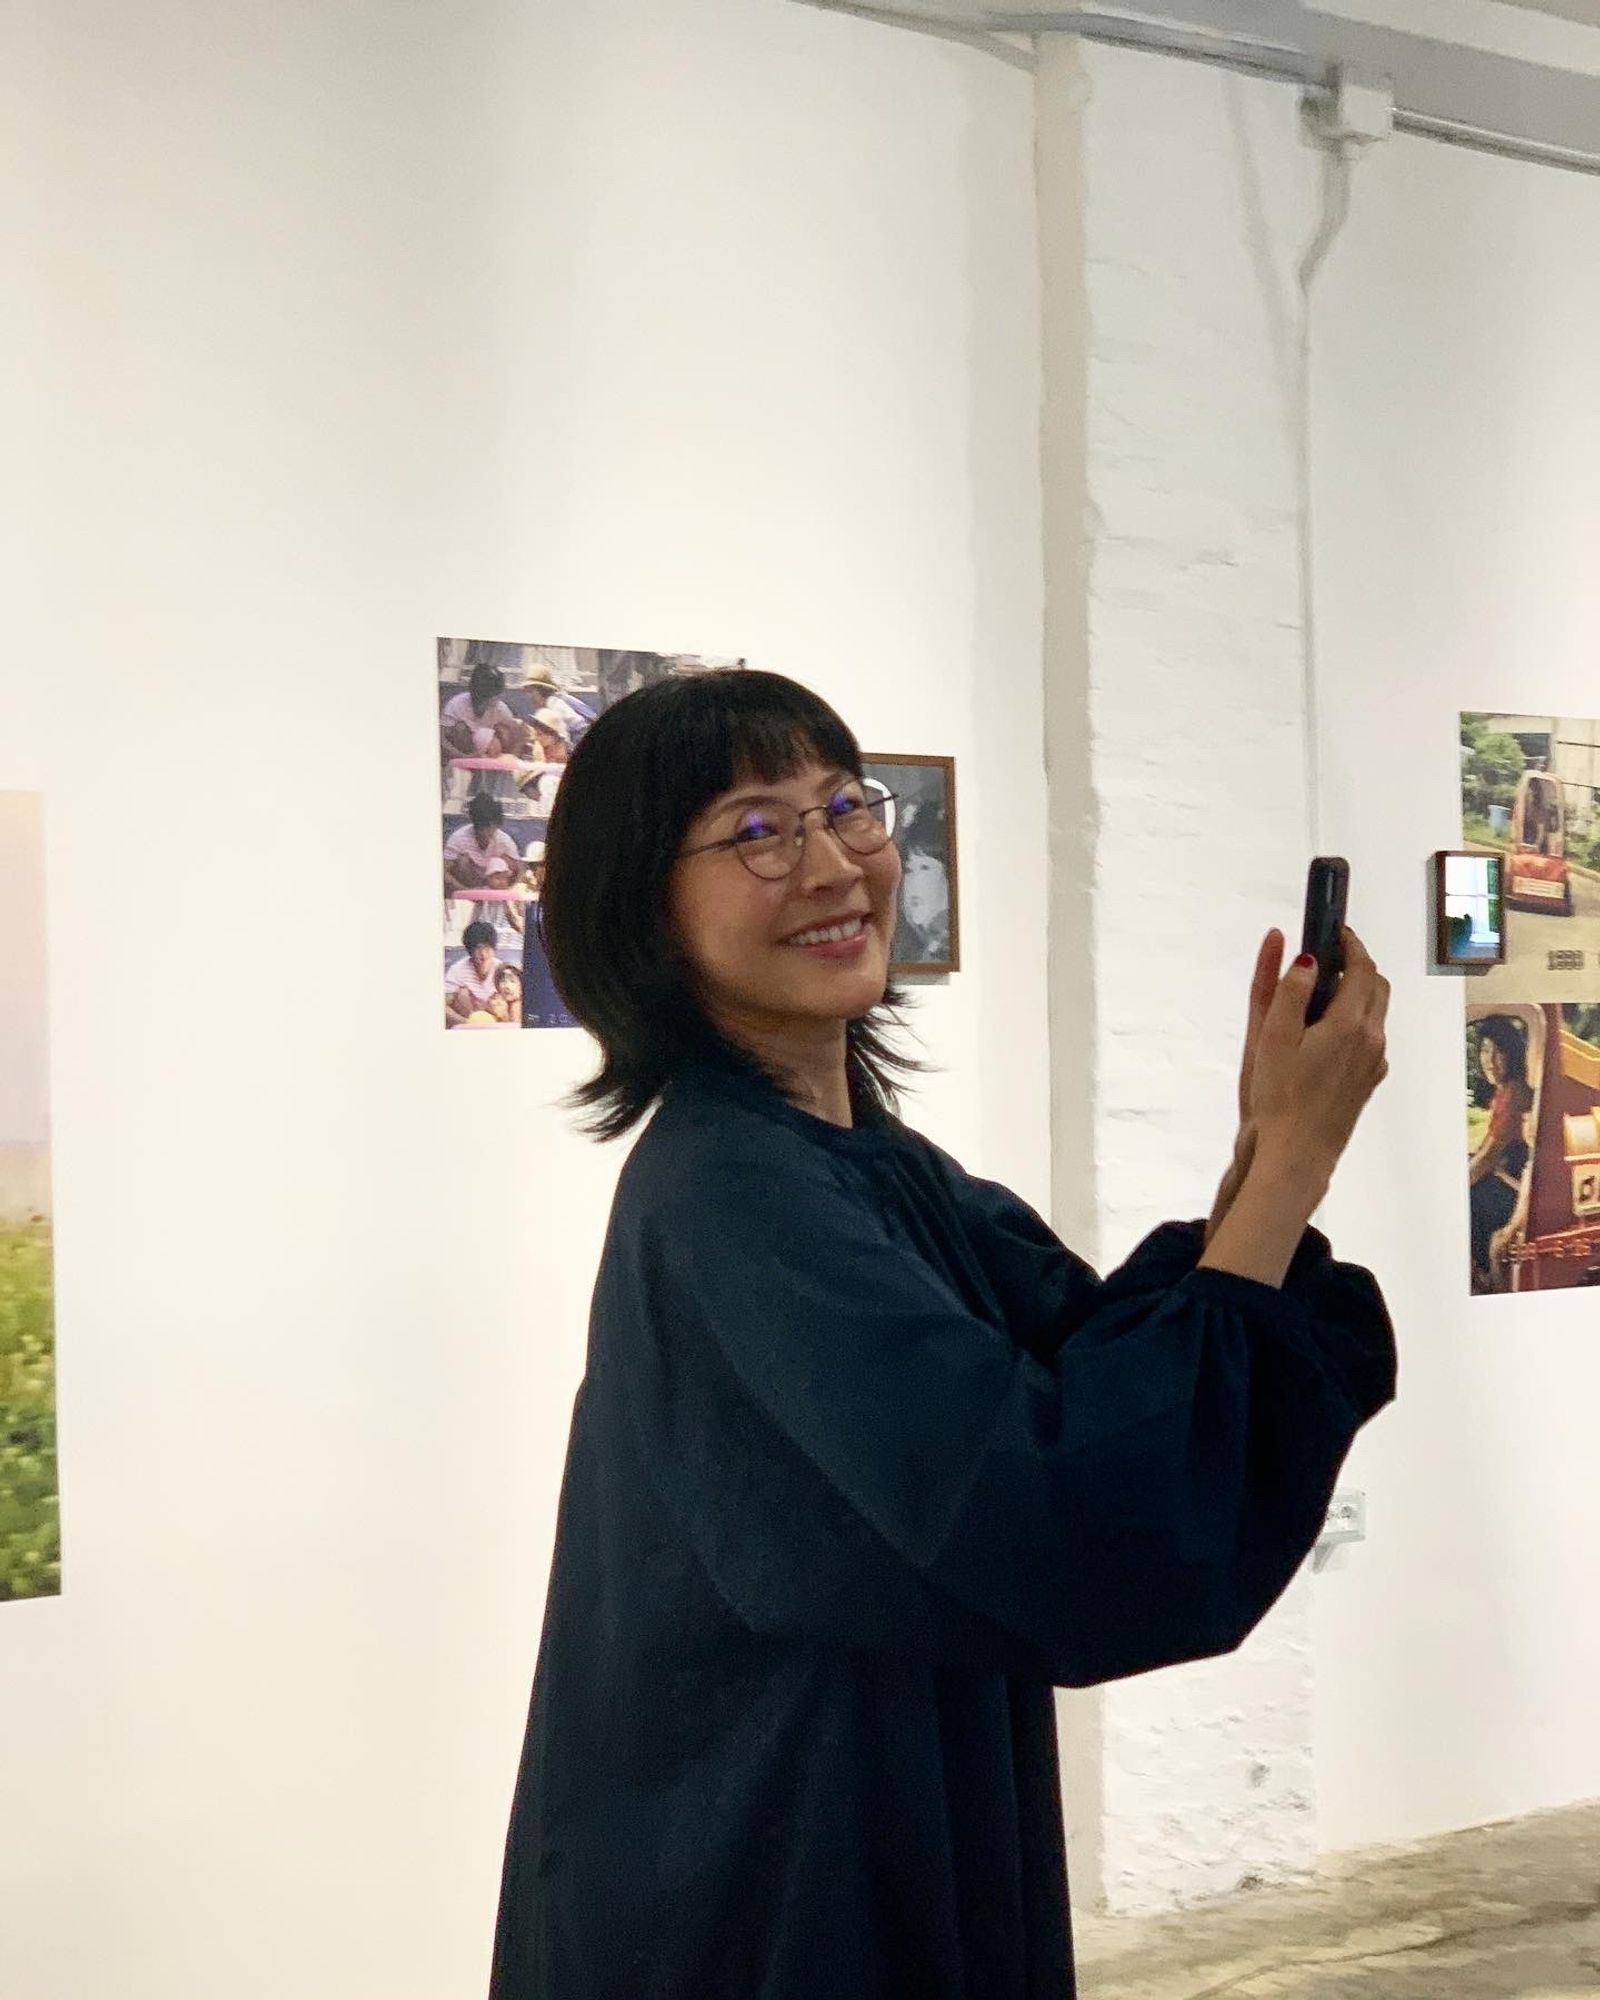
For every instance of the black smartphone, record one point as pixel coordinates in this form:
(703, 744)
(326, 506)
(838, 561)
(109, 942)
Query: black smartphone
(1327, 902)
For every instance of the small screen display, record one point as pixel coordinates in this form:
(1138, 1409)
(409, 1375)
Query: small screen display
(1471, 909)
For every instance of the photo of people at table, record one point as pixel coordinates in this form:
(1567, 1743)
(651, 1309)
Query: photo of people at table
(510, 717)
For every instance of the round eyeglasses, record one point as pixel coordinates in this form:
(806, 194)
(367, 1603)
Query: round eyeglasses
(770, 837)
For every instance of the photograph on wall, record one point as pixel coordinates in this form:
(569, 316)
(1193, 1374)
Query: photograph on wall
(927, 936)
(509, 718)
(30, 1520)
(1530, 792)
(1533, 1145)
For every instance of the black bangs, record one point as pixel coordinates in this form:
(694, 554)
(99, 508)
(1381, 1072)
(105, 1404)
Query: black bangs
(739, 724)
(643, 772)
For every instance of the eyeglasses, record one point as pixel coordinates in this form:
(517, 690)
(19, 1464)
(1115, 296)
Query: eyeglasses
(770, 839)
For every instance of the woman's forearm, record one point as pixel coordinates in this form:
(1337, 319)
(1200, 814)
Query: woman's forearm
(1484, 1162)
(1261, 1231)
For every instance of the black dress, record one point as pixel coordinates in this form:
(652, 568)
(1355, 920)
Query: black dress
(863, 1464)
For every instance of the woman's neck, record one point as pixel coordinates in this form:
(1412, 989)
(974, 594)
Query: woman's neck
(812, 1057)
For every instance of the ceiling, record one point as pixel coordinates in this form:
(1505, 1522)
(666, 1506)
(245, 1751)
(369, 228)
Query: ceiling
(1587, 11)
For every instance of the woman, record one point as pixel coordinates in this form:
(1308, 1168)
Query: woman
(573, 709)
(476, 722)
(469, 984)
(865, 1460)
(1495, 1171)
(480, 854)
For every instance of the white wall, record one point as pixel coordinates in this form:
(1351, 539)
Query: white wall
(1443, 1674)
(1458, 549)
(1175, 202)
(332, 329)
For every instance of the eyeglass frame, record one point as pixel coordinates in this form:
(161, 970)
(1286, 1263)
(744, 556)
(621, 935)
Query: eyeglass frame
(885, 799)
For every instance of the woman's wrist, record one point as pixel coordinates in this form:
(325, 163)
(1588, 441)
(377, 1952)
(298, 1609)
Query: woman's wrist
(1284, 1162)
(1261, 1228)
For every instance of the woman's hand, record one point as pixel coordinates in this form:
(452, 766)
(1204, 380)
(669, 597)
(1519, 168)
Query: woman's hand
(1301, 1091)
(1307, 1087)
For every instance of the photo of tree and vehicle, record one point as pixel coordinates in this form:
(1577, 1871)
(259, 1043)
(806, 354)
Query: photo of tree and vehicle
(1530, 792)
(30, 1522)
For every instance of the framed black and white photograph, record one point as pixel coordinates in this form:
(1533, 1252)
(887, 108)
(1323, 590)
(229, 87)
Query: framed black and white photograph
(927, 935)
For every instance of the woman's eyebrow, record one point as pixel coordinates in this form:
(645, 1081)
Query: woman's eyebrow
(741, 799)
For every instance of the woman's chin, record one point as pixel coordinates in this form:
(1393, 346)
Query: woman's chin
(839, 995)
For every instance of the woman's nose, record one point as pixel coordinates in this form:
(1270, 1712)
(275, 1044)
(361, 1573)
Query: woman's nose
(824, 858)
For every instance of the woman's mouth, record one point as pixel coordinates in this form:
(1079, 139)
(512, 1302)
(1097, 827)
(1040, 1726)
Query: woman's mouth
(841, 940)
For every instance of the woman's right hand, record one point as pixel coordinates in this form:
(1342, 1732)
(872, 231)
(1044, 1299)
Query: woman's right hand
(1309, 1086)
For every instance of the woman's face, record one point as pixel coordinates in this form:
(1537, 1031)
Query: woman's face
(746, 938)
(1491, 1062)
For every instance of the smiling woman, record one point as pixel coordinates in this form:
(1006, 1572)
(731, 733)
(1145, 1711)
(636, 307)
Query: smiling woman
(865, 1460)
(707, 828)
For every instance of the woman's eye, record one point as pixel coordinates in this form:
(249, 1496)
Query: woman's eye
(754, 828)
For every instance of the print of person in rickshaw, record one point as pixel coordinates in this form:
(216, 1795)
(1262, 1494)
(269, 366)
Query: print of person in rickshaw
(1540, 877)
(1540, 1068)
(1499, 1104)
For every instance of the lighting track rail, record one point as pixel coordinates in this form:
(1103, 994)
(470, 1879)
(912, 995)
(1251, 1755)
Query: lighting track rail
(1460, 96)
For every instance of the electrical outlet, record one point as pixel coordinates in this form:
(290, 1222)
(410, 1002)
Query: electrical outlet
(1346, 1523)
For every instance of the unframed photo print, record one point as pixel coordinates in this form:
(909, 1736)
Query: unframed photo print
(509, 718)
(30, 1513)
(1533, 1145)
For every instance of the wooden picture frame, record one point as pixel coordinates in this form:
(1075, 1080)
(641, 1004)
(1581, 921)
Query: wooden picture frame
(1449, 950)
(927, 939)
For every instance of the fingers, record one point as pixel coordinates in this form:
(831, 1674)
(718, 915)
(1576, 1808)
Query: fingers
(1269, 968)
(1263, 989)
(1364, 994)
(1356, 956)
(1358, 984)
(1374, 988)
(1285, 1019)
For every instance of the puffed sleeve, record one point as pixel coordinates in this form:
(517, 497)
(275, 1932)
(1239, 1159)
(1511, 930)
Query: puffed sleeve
(857, 1459)
(1047, 1293)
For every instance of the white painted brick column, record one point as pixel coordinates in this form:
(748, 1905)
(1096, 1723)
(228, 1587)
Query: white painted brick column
(1175, 203)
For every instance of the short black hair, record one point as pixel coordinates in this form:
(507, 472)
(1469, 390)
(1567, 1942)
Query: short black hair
(477, 933)
(646, 767)
(484, 809)
(487, 678)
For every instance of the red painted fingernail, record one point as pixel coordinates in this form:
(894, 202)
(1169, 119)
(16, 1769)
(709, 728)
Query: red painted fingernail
(1306, 958)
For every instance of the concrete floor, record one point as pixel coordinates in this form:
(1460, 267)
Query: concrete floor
(1508, 1912)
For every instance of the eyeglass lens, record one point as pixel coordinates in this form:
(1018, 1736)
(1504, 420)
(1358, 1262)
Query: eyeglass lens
(768, 839)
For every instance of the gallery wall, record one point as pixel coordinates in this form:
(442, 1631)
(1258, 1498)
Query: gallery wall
(1458, 1651)
(1441, 1674)
(1174, 202)
(710, 328)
